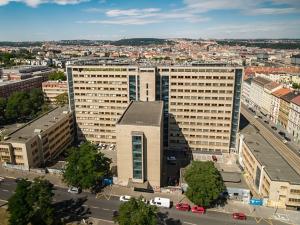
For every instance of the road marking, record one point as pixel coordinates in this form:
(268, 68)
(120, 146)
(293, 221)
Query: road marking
(189, 223)
(95, 207)
(85, 205)
(109, 221)
(2, 200)
(106, 209)
(5, 190)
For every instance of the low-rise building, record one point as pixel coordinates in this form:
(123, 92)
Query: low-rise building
(294, 119)
(266, 172)
(40, 140)
(284, 109)
(9, 87)
(275, 103)
(139, 143)
(52, 89)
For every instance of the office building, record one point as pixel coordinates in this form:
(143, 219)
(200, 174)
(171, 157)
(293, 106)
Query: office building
(40, 140)
(269, 175)
(139, 142)
(52, 89)
(201, 101)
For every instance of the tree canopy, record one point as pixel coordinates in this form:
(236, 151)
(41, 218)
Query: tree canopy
(32, 203)
(22, 105)
(296, 86)
(57, 75)
(205, 183)
(85, 166)
(61, 99)
(136, 212)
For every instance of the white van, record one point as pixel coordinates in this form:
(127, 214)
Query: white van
(161, 202)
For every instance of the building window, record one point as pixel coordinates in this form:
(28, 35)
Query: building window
(132, 88)
(137, 157)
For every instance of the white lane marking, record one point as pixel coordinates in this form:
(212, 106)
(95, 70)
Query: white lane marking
(95, 207)
(109, 221)
(2, 200)
(189, 223)
(106, 209)
(4, 190)
(86, 205)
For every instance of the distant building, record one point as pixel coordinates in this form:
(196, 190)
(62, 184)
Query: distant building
(267, 173)
(275, 103)
(38, 141)
(257, 91)
(284, 108)
(294, 119)
(246, 91)
(139, 144)
(28, 71)
(295, 60)
(52, 89)
(9, 87)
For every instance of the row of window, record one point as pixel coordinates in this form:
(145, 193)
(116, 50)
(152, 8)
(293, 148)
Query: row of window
(200, 97)
(204, 77)
(201, 117)
(100, 82)
(100, 89)
(199, 104)
(201, 124)
(100, 101)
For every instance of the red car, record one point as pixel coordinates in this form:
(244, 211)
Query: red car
(183, 207)
(239, 216)
(198, 209)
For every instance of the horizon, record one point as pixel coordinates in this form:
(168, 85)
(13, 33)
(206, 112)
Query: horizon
(53, 20)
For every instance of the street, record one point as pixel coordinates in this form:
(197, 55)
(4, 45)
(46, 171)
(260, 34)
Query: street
(72, 207)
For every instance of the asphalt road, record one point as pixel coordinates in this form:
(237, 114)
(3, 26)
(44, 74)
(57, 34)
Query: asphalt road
(274, 139)
(73, 207)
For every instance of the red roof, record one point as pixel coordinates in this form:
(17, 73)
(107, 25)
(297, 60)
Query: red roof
(296, 100)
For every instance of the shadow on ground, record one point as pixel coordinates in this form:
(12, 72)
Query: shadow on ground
(165, 220)
(71, 210)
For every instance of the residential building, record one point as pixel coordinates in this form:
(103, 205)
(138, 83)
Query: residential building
(275, 103)
(246, 89)
(295, 60)
(267, 97)
(284, 109)
(257, 91)
(40, 140)
(25, 71)
(294, 119)
(139, 142)
(201, 101)
(268, 174)
(9, 87)
(52, 89)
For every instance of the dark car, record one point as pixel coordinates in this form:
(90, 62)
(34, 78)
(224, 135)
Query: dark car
(281, 133)
(214, 158)
(274, 128)
(266, 121)
(260, 116)
(18, 179)
(287, 138)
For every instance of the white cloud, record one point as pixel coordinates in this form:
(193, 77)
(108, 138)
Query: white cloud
(35, 3)
(131, 12)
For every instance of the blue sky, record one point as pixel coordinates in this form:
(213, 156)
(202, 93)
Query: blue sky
(25, 20)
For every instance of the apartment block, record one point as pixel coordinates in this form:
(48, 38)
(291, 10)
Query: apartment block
(52, 89)
(246, 91)
(201, 101)
(275, 103)
(284, 109)
(9, 87)
(40, 140)
(269, 175)
(139, 133)
(294, 119)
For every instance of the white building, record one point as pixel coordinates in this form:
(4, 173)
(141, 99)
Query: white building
(294, 119)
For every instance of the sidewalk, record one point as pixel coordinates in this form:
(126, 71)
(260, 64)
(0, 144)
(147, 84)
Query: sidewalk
(55, 179)
(261, 212)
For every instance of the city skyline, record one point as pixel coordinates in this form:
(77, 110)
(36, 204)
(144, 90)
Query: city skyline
(44, 20)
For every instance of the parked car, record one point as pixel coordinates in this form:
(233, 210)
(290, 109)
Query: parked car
(274, 128)
(18, 179)
(171, 158)
(259, 116)
(266, 121)
(125, 198)
(111, 147)
(287, 138)
(161, 202)
(74, 190)
(198, 209)
(183, 207)
(284, 141)
(239, 216)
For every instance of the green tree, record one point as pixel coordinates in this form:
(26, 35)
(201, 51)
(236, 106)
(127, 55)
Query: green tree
(2, 108)
(37, 99)
(205, 183)
(57, 75)
(296, 86)
(32, 203)
(136, 212)
(85, 166)
(62, 99)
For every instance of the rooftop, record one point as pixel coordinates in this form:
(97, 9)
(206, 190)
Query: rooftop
(275, 166)
(38, 125)
(296, 100)
(261, 81)
(248, 80)
(281, 92)
(142, 114)
(270, 86)
(289, 96)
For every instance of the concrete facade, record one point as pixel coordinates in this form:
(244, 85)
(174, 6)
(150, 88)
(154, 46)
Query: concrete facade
(39, 140)
(52, 89)
(201, 102)
(267, 173)
(145, 121)
(294, 119)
